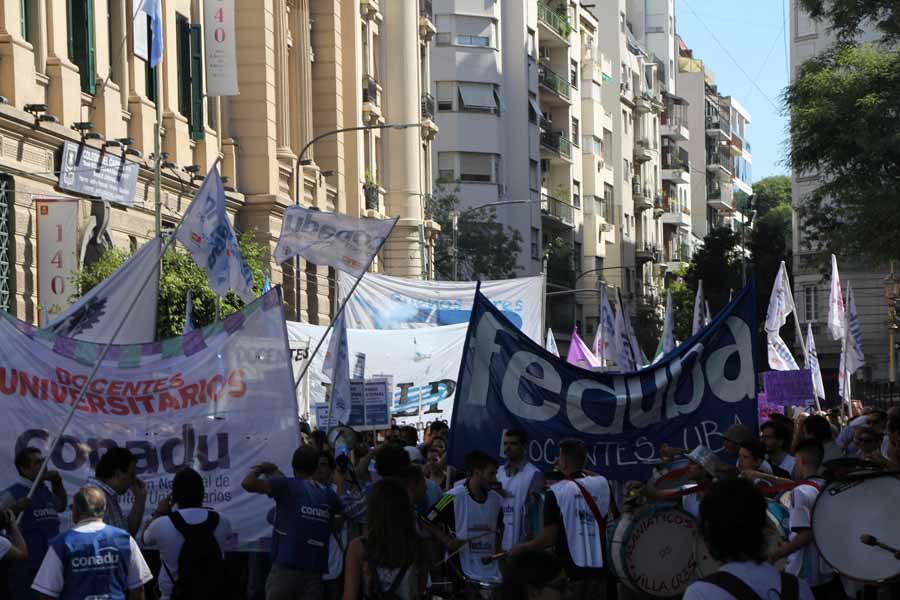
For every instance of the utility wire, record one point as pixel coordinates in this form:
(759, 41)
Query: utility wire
(730, 56)
(784, 31)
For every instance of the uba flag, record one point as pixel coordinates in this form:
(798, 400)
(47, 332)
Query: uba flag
(690, 397)
(218, 399)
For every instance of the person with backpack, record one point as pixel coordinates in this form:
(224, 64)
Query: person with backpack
(190, 539)
(386, 563)
(732, 523)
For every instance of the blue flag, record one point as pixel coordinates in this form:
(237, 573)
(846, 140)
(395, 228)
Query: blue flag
(206, 231)
(688, 398)
(154, 11)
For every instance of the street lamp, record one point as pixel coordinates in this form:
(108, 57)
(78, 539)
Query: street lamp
(298, 191)
(891, 295)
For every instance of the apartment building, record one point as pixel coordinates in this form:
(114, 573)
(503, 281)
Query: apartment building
(74, 73)
(718, 127)
(811, 290)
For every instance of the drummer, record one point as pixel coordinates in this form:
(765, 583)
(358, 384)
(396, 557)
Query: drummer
(803, 557)
(702, 469)
(576, 527)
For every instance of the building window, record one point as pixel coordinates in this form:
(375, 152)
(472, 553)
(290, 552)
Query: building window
(533, 108)
(473, 40)
(805, 25)
(471, 167)
(531, 45)
(811, 303)
(608, 200)
(535, 243)
(82, 42)
(189, 52)
(575, 134)
(479, 97)
(150, 74)
(473, 31)
(592, 145)
(446, 166)
(573, 73)
(445, 95)
(576, 194)
(534, 176)
(625, 122)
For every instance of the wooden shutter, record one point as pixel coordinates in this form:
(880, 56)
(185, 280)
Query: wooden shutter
(197, 130)
(183, 49)
(89, 72)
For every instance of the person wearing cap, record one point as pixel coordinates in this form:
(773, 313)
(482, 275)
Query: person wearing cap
(734, 436)
(702, 468)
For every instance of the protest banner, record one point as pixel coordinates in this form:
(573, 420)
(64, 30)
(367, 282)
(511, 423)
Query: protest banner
(217, 399)
(789, 388)
(422, 363)
(689, 398)
(374, 414)
(385, 302)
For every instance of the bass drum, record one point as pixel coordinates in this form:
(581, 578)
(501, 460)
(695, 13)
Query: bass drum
(850, 508)
(651, 550)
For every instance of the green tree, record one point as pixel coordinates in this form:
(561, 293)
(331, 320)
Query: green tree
(486, 248)
(179, 274)
(845, 118)
(846, 17)
(770, 193)
(718, 264)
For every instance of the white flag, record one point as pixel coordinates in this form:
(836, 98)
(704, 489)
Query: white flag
(337, 367)
(855, 356)
(605, 339)
(97, 314)
(818, 386)
(780, 357)
(207, 233)
(340, 241)
(550, 345)
(625, 358)
(188, 313)
(667, 341)
(708, 318)
(699, 305)
(781, 302)
(836, 315)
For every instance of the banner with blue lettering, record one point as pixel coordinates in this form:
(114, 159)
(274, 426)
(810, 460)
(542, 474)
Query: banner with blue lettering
(688, 398)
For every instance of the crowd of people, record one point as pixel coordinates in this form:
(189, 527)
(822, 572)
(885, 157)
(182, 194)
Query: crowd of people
(393, 520)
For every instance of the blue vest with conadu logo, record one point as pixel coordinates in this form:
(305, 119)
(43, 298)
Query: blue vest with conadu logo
(40, 521)
(95, 564)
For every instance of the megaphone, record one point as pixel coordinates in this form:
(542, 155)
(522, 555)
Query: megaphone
(342, 439)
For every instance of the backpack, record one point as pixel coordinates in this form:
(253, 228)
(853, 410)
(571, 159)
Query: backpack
(790, 586)
(201, 566)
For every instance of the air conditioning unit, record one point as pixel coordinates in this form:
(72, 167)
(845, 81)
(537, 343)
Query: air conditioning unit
(605, 227)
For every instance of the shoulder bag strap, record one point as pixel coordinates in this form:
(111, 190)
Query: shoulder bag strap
(790, 587)
(734, 585)
(601, 522)
(398, 579)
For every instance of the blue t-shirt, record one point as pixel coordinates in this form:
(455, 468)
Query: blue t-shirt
(40, 523)
(94, 563)
(303, 515)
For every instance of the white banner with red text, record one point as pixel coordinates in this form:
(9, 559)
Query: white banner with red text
(218, 399)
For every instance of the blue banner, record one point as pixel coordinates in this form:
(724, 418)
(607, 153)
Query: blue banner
(688, 398)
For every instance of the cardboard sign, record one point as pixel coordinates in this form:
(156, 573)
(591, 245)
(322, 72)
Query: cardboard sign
(789, 388)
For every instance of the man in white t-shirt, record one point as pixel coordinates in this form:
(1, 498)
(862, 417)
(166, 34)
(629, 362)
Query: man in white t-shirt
(187, 495)
(732, 522)
(803, 558)
(520, 480)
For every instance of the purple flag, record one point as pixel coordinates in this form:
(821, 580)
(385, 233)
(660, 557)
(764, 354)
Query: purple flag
(580, 355)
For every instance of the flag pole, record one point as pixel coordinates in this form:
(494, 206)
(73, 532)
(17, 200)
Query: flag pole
(845, 384)
(341, 308)
(81, 393)
(797, 330)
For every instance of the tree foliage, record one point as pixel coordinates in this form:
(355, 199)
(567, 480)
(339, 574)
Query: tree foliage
(847, 17)
(845, 131)
(179, 274)
(770, 193)
(487, 249)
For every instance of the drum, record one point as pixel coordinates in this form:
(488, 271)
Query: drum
(482, 590)
(652, 550)
(862, 506)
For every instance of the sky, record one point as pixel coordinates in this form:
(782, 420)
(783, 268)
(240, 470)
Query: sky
(753, 33)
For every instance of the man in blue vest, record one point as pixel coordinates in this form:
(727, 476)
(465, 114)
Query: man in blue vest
(93, 559)
(40, 518)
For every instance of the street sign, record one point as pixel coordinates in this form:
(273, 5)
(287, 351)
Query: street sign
(92, 172)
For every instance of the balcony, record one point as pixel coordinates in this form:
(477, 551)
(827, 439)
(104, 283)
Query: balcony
(558, 143)
(644, 251)
(555, 24)
(719, 164)
(643, 103)
(559, 87)
(428, 106)
(642, 150)
(427, 28)
(720, 195)
(718, 126)
(369, 9)
(558, 210)
(676, 216)
(676, 166)
(371, 96)
(675, 128)
(641, 195)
